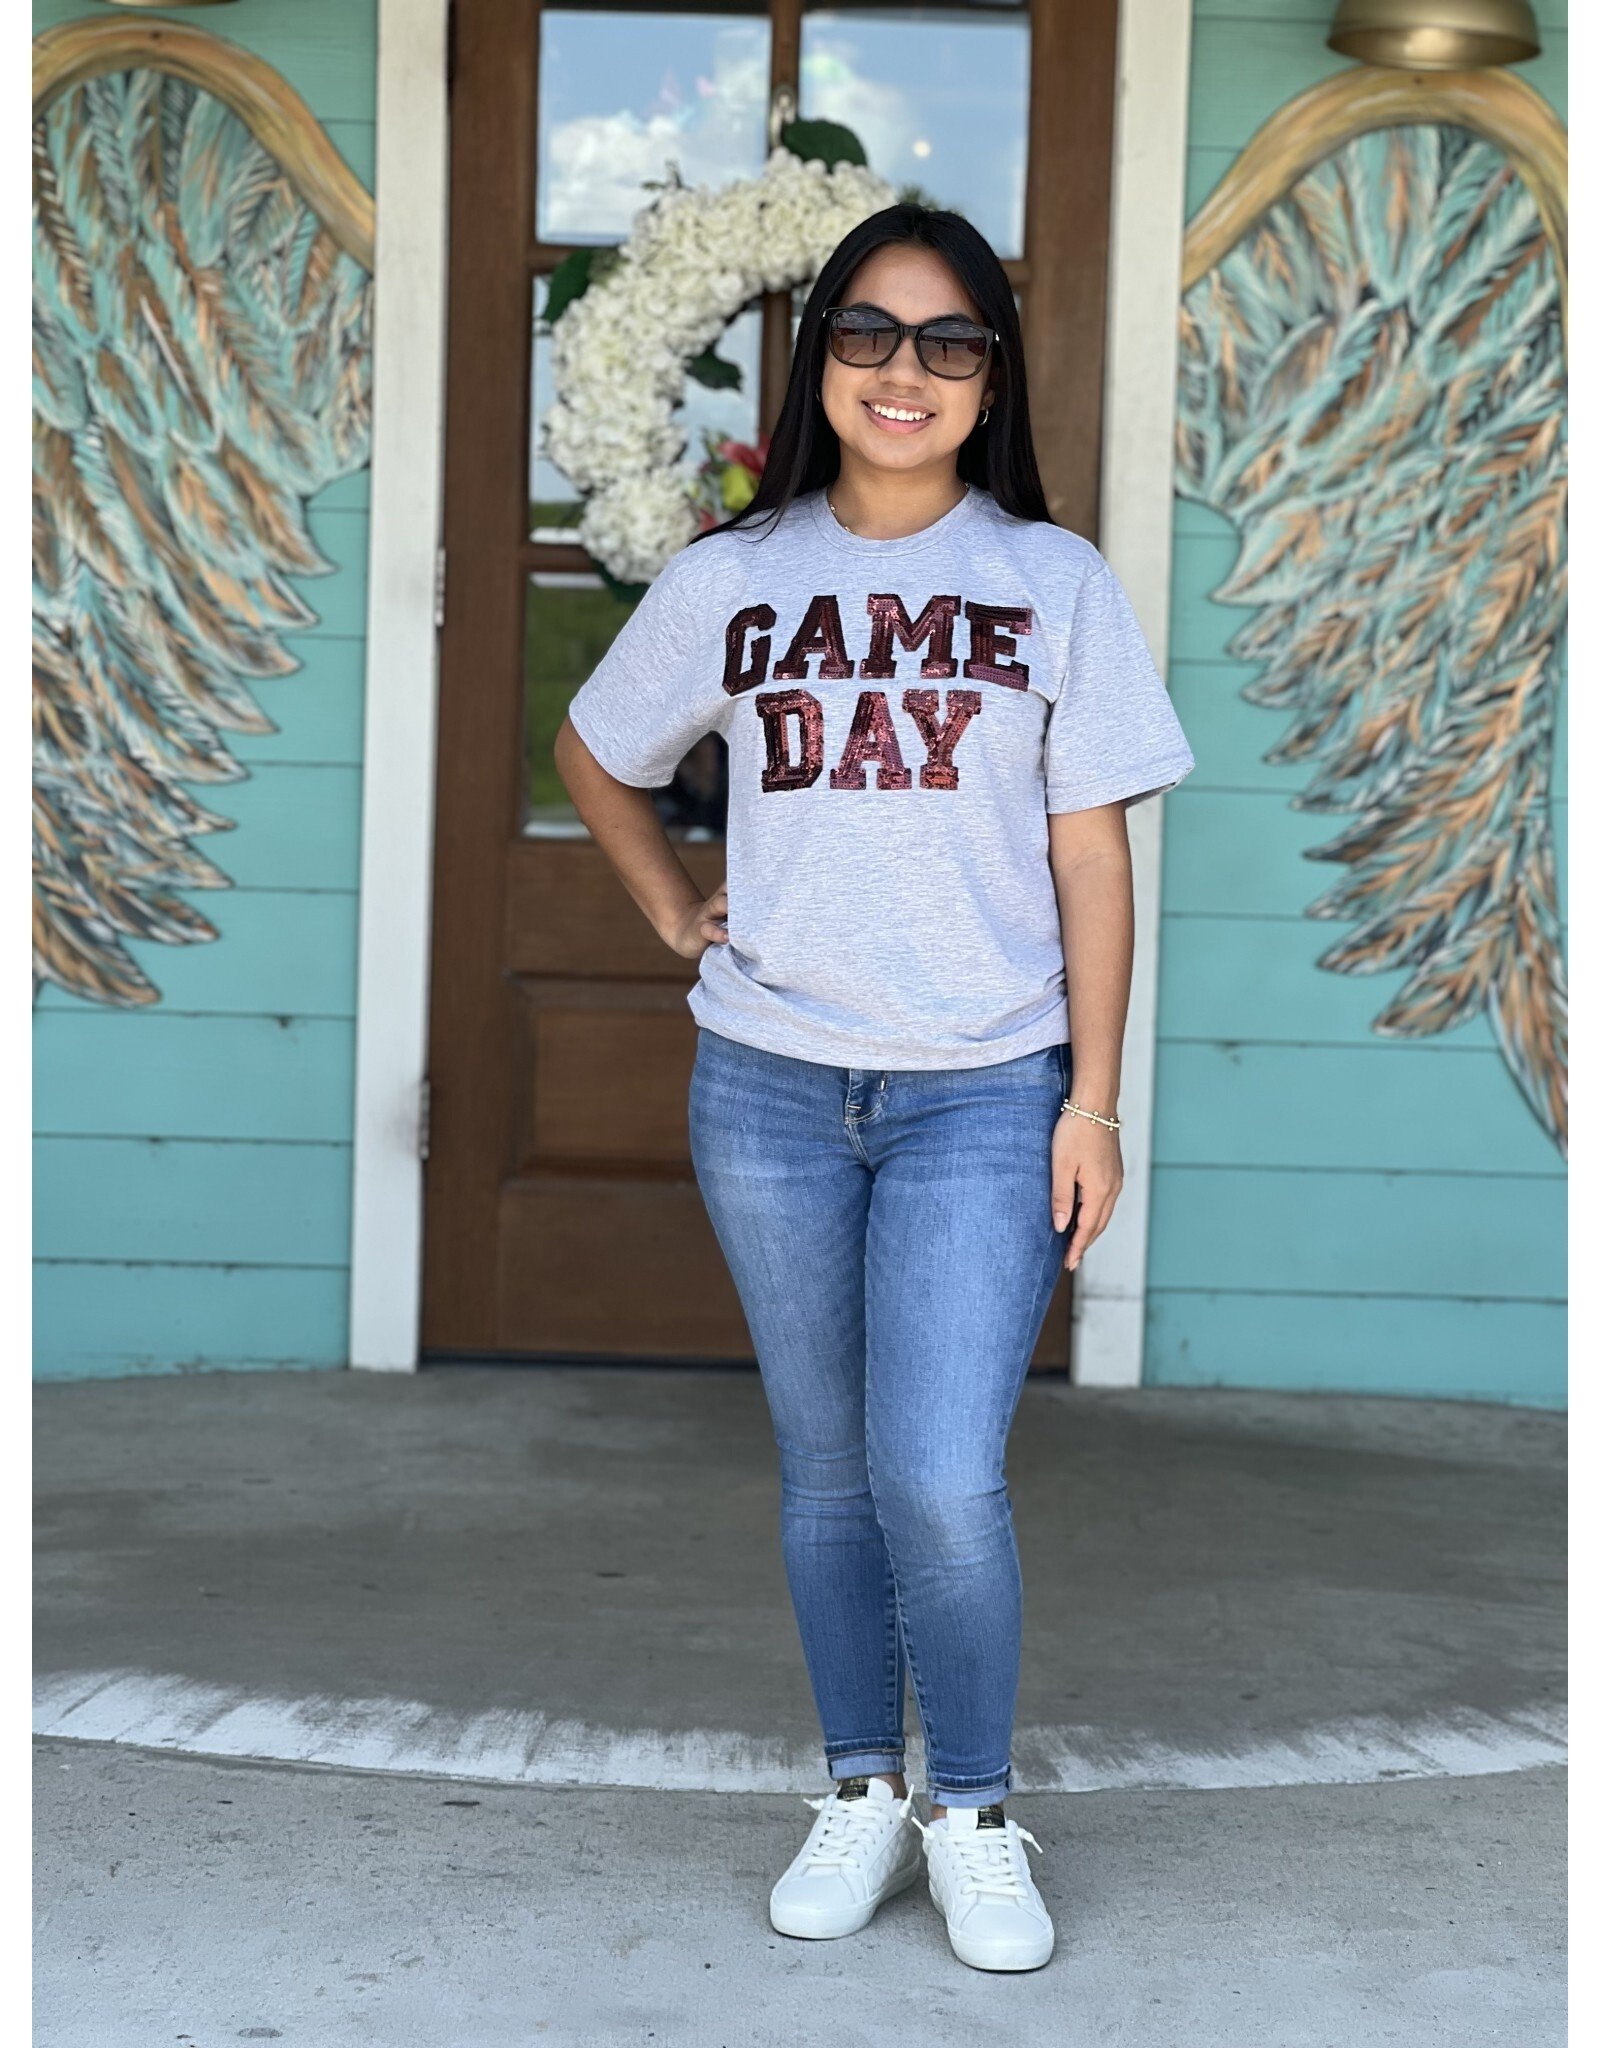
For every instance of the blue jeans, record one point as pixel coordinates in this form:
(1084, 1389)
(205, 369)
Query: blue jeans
(890, 1237)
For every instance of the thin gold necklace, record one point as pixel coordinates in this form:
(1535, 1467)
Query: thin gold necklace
(828, 496)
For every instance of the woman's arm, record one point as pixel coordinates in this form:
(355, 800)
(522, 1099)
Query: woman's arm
(625, 825)
(1093, 873)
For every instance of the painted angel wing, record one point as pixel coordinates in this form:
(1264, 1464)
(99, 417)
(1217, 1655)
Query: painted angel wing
(201, 369)
(1372, 388)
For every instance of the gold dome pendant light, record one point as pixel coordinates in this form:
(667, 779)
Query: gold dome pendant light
(1435, 35)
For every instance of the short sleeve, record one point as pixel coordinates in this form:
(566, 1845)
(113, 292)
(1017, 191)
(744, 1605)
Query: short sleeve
(1112, 733)
(655, 690)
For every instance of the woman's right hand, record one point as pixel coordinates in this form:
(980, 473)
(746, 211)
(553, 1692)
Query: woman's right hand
(703, 924)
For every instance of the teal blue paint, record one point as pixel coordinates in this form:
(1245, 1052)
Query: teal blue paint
(1279, 1258)
(1242, 71)
(1506, 1351)
(1232, 737)
(339, 599)
(1391, 1104)
(352, 493)
(1240, 853)
(357, 143)
(174, 1201)
(1227, 1228)
(147, 1073)
(317, 711)
(296, 828)
(1244, 981)
(1201, 627)
(195, 1170)
(97, 1321)
(1203, 171)
(1190, 517)
(277, 951)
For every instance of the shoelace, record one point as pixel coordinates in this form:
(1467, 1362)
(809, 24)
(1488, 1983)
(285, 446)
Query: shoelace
(851, 1827)
(989, 1858)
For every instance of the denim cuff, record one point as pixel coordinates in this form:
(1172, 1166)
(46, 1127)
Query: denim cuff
(962, 1795)
(866, 1763)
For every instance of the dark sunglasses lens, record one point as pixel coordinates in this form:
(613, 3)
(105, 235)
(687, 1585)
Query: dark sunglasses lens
(954, 351)
(861, 339)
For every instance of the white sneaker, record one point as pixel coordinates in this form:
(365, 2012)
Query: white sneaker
(979, 1877)
(859, 1853)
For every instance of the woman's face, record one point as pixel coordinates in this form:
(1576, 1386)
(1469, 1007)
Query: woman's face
(914, 285)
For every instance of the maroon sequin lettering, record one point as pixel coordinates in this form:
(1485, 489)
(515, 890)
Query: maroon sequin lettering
(775, 707)
(872, 738)
(936, 623)
(736, 676)
(939, 770)
(821, 632)
(992, 627)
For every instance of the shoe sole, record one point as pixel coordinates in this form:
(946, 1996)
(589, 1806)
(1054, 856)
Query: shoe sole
(1009, 1959)
(1012, 1957)
(814, 1927)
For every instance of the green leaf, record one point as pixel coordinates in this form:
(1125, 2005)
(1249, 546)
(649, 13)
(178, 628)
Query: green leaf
(573, 276)
(826, 142)
(711, 370)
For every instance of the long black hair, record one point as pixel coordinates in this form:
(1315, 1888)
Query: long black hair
(997, 455)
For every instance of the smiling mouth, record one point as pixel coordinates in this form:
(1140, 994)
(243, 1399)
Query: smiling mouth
(897, 415)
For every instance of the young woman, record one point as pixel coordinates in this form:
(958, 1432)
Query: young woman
(937, 705)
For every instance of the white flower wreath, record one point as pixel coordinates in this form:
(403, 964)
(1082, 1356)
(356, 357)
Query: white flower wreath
(618, 353)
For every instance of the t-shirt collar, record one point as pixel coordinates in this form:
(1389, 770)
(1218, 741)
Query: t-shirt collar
(829, 528)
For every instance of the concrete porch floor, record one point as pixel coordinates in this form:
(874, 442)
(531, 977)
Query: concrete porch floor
(468, 1709)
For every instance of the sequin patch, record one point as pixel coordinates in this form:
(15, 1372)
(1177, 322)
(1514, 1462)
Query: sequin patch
(992, 627)
(872, 738)
(935, 623)
(737, 675)
(821, 632)
(939, 770)
(775, 707)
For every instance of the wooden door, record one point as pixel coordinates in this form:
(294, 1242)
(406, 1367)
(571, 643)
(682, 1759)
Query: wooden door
(563, 1218)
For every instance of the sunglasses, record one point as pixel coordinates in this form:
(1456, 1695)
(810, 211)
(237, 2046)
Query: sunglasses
(866, 337)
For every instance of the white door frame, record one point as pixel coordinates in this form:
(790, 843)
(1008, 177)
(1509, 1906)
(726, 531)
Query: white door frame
(1152, 94)
(1141, 399)
(402, 685)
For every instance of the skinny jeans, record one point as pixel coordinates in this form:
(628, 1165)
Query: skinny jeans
(889, 1234)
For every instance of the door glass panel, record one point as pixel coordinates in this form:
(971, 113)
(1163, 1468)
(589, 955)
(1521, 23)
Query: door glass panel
(553, 503)
(938, 96)
(570, 621)
(623, 92)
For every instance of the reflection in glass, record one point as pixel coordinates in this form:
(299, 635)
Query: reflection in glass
(727, 414)
(570, 621)
(939, 98)
(623, 94)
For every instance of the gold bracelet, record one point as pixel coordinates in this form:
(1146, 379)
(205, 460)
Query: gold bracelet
(1069, 1107)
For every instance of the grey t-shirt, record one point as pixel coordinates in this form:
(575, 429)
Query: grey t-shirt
(900, 717)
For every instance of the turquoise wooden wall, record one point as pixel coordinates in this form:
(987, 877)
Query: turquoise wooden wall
(1329, 1209)
(192, 1164)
